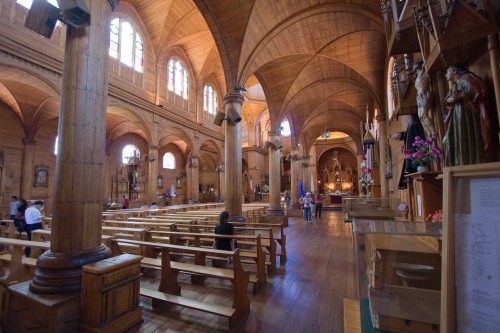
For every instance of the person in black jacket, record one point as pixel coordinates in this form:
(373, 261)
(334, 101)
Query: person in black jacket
(224, 228)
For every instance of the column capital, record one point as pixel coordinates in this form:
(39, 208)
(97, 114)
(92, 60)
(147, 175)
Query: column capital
(234, 97)
(274, 133)
(153, 147)
(29, 141)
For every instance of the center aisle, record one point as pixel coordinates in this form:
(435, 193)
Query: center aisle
(304, 295)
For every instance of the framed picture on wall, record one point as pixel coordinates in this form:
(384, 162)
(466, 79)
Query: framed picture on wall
(41, 176)
(160, 182)
(178, 182)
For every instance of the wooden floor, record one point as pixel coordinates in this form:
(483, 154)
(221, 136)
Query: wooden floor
(305, 295)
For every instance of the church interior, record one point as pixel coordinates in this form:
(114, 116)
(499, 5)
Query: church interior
(387, 110)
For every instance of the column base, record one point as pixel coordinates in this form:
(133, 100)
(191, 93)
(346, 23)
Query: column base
(294, 212)
(30, 312)
(58, 273)
(272, 211)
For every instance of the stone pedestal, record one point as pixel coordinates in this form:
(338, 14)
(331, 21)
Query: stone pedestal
(30, 312)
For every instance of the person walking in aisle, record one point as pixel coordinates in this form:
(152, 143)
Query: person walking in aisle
(319, 205)
(308, 201)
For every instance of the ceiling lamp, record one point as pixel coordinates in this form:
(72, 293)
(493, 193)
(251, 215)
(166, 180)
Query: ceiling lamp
(325, 134)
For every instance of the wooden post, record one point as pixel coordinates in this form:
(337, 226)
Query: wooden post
(79, 180)
(153, 173)
(27, 168)
(233, 155)
(274, 208)
(294, 171)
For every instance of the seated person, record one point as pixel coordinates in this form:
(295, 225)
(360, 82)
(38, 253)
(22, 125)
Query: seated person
(154, 206)
(224, 228)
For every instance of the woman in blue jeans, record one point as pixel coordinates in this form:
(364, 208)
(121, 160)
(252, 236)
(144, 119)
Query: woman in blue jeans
(308, 201)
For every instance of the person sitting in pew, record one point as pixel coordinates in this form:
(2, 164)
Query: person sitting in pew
(33, 221)
(224, 228)
(154, 206)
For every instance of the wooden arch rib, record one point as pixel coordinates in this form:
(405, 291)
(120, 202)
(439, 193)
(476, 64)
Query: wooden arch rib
(284, 34)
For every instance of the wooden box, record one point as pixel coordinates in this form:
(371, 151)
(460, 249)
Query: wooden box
(110, 294)
(41, 313)
(425, 193)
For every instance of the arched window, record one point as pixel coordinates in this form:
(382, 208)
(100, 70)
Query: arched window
(285, 128)
(209, 100)
(177, 78)
(168, 161)
(125, 44)
(130, 154)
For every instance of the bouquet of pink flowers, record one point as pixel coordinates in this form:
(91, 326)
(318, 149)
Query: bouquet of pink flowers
(423, 151)
(436, 217)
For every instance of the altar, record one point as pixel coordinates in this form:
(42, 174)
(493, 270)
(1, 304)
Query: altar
(337, 180)
(336, 197)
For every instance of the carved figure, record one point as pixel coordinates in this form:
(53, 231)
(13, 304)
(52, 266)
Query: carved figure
(425, 97)
(468, 127)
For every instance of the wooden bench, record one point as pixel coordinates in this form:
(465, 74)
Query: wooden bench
(19, 265)
(139, 224)
(279, 236)
(254, 256)
(267, 238)
(169, 290)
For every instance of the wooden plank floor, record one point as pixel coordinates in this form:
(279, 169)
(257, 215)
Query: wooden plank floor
(305, 295)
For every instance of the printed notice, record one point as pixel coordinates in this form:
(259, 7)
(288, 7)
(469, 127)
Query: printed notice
(485, 196)
(477, 269)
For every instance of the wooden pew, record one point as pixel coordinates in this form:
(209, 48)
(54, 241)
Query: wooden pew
(146, 224)
(255, 255)
(267, 237)
(169, 290)
(20, 267)
(278, 236)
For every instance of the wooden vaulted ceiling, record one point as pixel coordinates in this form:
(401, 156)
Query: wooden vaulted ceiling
(320, 62)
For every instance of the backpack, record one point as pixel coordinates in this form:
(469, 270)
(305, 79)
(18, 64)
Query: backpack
(20, 223)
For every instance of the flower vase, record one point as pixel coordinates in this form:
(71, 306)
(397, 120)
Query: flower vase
(422, 168)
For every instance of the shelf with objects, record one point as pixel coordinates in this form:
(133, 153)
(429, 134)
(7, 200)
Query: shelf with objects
(398, 275)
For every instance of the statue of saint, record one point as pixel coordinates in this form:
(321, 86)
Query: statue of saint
(468, 127)
(425, 98)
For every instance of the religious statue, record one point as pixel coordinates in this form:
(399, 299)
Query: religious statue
(468, 127)
(425, 98)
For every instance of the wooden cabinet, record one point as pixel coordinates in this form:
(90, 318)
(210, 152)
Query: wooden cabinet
(110, 294)
(426, 194)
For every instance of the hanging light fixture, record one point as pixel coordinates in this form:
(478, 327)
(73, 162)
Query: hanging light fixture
(325, 134)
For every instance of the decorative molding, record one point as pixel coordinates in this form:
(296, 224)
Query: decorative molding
(23, 61)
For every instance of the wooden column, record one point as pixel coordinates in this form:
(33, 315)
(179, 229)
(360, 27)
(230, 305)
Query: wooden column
(79, 180)
(359, 159)
(153, 173)
(232, 154)
(495, 69)
(382, 131)
(306, 173)
(294, 171)
(193, 179)
(274, 208)
(313, 172)
(27, 169)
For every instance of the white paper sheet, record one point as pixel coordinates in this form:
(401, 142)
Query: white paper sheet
(477, 268)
